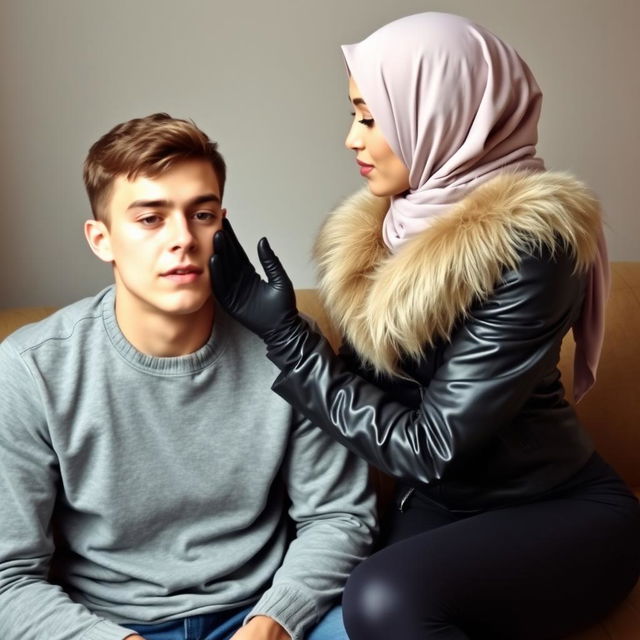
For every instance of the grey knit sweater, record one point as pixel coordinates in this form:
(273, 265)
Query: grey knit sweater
(167, 482)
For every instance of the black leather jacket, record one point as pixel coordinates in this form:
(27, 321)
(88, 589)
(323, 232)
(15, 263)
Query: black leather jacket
(480, 420)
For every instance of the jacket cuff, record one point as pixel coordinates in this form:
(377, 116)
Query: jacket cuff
(289, 607)
(287, 347)
(105, 630)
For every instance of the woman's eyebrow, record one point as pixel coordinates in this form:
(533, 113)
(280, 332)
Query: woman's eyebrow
(358, 101)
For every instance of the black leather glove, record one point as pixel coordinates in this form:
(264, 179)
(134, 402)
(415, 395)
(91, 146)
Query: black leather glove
(266, 308)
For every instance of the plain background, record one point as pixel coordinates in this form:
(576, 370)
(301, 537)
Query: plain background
(266, 79)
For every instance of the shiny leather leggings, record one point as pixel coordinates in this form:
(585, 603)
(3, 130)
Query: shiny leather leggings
(536, 571)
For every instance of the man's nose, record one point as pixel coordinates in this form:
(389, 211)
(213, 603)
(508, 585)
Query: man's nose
(181, 235)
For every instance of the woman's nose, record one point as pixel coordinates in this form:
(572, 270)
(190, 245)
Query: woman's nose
(354, 139)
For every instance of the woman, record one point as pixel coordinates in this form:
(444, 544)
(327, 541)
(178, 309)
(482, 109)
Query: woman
(454, 281)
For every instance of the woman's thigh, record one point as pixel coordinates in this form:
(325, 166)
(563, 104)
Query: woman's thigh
(534, 571)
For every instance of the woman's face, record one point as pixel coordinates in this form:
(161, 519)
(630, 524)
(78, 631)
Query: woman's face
(385, 172)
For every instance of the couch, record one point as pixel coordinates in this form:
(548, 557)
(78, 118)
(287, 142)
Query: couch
(610, 412)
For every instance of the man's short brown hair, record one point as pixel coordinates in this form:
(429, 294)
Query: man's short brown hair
(145, 147)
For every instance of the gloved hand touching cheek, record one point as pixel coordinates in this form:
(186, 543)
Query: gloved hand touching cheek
(266, 308)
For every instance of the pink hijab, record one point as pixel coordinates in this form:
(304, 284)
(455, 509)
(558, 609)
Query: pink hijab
(458, 106)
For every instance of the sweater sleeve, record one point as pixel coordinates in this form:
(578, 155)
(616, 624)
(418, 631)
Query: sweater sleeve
(333, 509)
(31, 608)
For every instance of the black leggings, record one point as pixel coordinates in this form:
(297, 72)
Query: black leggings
(536, 571)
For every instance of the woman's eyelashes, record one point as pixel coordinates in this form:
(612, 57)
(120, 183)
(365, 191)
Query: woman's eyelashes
(367, 122)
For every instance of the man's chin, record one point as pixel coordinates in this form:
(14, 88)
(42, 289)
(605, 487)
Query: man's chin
(185, 305)
(202, 306)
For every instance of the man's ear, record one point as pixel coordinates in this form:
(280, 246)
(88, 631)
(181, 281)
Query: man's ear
(223, 212)
(97, 235)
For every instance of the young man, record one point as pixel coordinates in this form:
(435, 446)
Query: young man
(138, 429)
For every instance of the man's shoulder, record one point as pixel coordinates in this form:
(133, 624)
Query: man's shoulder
(60, 326)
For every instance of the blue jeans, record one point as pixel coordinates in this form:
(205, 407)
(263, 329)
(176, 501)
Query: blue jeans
(222, 626)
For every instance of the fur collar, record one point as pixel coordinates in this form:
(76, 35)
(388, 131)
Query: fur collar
(392, 305)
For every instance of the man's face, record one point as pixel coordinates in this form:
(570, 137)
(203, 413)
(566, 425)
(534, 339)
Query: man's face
(159, 239)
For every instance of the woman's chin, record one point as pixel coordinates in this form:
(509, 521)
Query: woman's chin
(384, 192)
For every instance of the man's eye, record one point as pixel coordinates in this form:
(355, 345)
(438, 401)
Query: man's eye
(149, 220)
(204, 216)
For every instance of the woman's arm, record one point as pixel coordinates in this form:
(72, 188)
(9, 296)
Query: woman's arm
(495, 359)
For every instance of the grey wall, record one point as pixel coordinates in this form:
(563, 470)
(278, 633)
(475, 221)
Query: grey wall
(267, 81)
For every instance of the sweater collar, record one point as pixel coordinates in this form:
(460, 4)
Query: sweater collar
(167, 366)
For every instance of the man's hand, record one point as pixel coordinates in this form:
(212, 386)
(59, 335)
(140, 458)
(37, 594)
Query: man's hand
(261, 628)
(266, 308)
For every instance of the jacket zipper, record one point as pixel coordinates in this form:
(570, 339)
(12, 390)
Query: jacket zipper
(403, 501)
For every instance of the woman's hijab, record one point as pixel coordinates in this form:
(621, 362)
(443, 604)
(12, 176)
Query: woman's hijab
(459, 106)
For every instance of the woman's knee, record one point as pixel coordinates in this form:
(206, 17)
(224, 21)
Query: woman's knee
(403, 591)
(370, 598)
(379, 602)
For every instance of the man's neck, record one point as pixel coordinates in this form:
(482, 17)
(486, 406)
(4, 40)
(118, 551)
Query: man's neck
(164, 335)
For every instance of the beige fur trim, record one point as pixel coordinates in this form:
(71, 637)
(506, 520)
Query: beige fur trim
(390, 305)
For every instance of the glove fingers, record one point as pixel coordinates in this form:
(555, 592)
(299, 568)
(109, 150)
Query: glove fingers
(218, 242)
(272, 266)
(219, 249)
(218, 281)
(222, 263)
(236, 252)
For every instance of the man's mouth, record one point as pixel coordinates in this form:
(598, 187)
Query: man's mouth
(183, 275)
(182, 271)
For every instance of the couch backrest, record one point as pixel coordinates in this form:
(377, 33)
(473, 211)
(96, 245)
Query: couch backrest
(12, 319)
(610, 411)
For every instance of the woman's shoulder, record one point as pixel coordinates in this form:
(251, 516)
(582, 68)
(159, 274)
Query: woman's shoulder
(516, 213)
(545, 286)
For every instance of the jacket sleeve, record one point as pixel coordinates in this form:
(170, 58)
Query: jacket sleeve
(31, 608)
(333, 509)
(497, 355)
